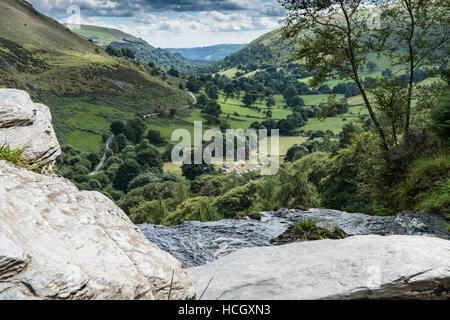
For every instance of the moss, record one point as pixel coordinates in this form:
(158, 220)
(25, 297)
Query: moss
(308, 230)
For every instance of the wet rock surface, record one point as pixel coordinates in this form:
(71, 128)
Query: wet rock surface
(196, 243)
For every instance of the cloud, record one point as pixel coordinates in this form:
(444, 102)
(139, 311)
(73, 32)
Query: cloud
(171, 23)
(129, 8)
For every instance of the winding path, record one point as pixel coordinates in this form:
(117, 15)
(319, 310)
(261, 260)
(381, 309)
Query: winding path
(102, 162)
(110, 139)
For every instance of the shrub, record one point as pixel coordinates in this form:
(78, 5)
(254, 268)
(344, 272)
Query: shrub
(143, 179)
(296, 191)
(127, 171)
(149, 212)
(129, 202)
(426, 186)
(152, 191)
(236, 200)
(194, 209)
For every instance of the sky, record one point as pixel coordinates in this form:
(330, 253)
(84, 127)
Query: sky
(173, 23)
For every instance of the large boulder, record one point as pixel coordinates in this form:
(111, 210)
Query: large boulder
(359, 267)
(24, 124)
(57, 242)
(196, 243)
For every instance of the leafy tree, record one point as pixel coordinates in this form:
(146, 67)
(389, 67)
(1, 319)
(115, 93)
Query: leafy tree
(228, 90)
(154, 137)
(420, 27)
(173, 72)
(249, 99)
(191, 171)
(118, 127)
(121, 141)
(213, 109)
(135, 129)
(371, 66)
(390, 95)
(270, 102)
(172, 112)
(127, 171)
(212, 91)
(440, 116)
(289, 92)
(202, 100)
(295, 189)
(193, 85)
(150, 158)
(343, 42)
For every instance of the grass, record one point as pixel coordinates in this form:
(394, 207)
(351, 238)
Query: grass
(336, 123)
(15, 156)
(309, 230)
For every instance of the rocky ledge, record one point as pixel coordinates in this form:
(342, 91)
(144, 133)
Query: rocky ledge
(24, 124)
(57, 242)
(359, 267)
(196, 243)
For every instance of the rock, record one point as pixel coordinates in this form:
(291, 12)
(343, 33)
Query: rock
(359, 267)
(57, 242)
(27, 124)
(195, 243)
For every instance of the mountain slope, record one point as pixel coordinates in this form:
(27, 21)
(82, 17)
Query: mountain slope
(144, 52)
(269, 49)
(208, 54)
(74, 76)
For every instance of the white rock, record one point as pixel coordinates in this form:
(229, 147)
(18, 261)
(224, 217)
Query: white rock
(360, 267)
(59, 243)
(24, 124)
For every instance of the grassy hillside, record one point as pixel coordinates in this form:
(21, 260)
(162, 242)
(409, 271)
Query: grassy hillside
(208, 54)
(144, 52)
(66, 71)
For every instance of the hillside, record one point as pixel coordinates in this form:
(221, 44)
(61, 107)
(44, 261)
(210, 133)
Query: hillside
(208, 54)
(144, 52)
(75, 77)
(269, 49)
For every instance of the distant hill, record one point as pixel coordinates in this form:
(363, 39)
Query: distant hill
(144, 52)
(208, 54)
(269, 49)
(64, 71)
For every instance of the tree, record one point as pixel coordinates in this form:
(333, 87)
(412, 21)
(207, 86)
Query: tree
(270, 102)
(212, 91)
(390, 95)
(371, 66)
(193, 85)
(249, 99)
(154, 137)
(420, 27)
(118, 127)
(150, 158)
(343, 42)
(212, 109)
(386, 73)
(202, 100)
(191, 171)
(173, 72)
(121, 141)
(172, 113)
(289, 92)
(135, 130)
(228, 90)
(127, 171)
